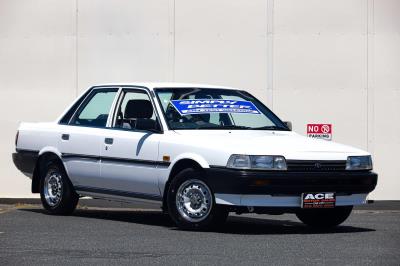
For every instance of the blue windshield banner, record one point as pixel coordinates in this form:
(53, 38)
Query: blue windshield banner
(205, 106)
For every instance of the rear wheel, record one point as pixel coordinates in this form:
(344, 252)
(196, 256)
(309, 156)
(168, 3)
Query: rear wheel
(56, 191)
(324, 218)
(191, 203)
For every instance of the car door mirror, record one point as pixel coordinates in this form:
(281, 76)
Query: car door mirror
(154, 129)
(288, 125)
(148, 125)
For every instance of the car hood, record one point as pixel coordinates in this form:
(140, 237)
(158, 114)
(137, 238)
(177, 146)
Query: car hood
(261, 142)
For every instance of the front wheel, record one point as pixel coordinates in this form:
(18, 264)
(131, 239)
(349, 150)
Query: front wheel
(191, 203)
(324, 218)
(56, 191)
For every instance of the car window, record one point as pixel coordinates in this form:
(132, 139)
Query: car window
(135, 112)
(248, 120)
(95, 112)
(68, 115)
(165, 98)
(213, 119)
(200, 108)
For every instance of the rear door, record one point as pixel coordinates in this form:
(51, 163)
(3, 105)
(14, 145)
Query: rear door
(82, 139)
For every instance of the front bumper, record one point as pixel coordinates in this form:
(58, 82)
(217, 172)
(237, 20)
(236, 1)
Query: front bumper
(283, 189)
(282, 201)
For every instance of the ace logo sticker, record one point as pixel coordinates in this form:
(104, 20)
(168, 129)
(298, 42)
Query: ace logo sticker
(203, 106)
(318, 200)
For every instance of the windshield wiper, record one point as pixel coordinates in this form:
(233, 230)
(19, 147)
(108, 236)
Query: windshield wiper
(270, 128)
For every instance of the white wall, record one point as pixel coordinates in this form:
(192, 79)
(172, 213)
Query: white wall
(37, 74)
(309, 60)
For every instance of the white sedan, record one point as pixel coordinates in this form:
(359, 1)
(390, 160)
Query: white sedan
(198, 151)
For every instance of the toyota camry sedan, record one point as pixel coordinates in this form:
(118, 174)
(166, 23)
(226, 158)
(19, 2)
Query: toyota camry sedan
(197, 151)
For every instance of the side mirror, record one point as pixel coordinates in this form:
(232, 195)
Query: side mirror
(288, 124)
(148, 125)
(155, 129)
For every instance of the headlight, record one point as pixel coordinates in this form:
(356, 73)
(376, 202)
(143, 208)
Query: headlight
(359, 163)
(262, 162)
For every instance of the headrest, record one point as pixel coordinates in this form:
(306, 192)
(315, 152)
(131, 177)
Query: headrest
(138, 109)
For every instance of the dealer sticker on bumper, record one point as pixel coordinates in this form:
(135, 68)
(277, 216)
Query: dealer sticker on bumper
(319, 200)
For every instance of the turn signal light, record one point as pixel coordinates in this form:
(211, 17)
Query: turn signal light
(261, 182)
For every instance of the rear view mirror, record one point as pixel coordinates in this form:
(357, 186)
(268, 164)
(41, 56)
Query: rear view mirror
(288, 124)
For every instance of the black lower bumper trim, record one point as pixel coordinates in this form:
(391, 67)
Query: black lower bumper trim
(232, 181)
(25, 161)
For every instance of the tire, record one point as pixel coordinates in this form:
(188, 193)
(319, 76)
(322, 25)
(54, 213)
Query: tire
(56, 191)
(324, 218)
(201, 212)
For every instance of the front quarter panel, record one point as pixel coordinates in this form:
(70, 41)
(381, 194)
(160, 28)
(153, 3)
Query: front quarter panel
(192, 156)
(204, 152)
(179, 147)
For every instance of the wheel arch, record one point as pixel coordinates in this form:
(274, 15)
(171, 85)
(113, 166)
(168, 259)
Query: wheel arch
(177, 166)
(46, 154)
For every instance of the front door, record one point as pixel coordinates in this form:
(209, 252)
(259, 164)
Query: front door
(129, 156)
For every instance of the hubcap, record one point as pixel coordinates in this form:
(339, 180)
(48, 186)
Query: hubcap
(194, 200)
(53, 188)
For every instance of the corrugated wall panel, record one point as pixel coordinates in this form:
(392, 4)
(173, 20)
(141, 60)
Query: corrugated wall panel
(222, 42)
(321, 61)
(386, 97)
(37, 74)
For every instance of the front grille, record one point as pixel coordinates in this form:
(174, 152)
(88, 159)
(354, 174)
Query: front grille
(316, 166)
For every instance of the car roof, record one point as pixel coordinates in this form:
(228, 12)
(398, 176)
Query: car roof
(154, 85)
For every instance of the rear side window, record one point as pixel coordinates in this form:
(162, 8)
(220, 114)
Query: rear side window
(96, 110)
(65, 119)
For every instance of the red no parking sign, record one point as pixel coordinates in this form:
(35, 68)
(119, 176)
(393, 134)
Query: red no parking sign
(319, 131)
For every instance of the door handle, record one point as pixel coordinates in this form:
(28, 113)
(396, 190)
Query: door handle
(108, 141)
(65, 136)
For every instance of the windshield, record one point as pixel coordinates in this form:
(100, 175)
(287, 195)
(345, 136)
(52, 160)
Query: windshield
(197, 108)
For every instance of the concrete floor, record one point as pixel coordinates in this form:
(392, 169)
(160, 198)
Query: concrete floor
(114, 236)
